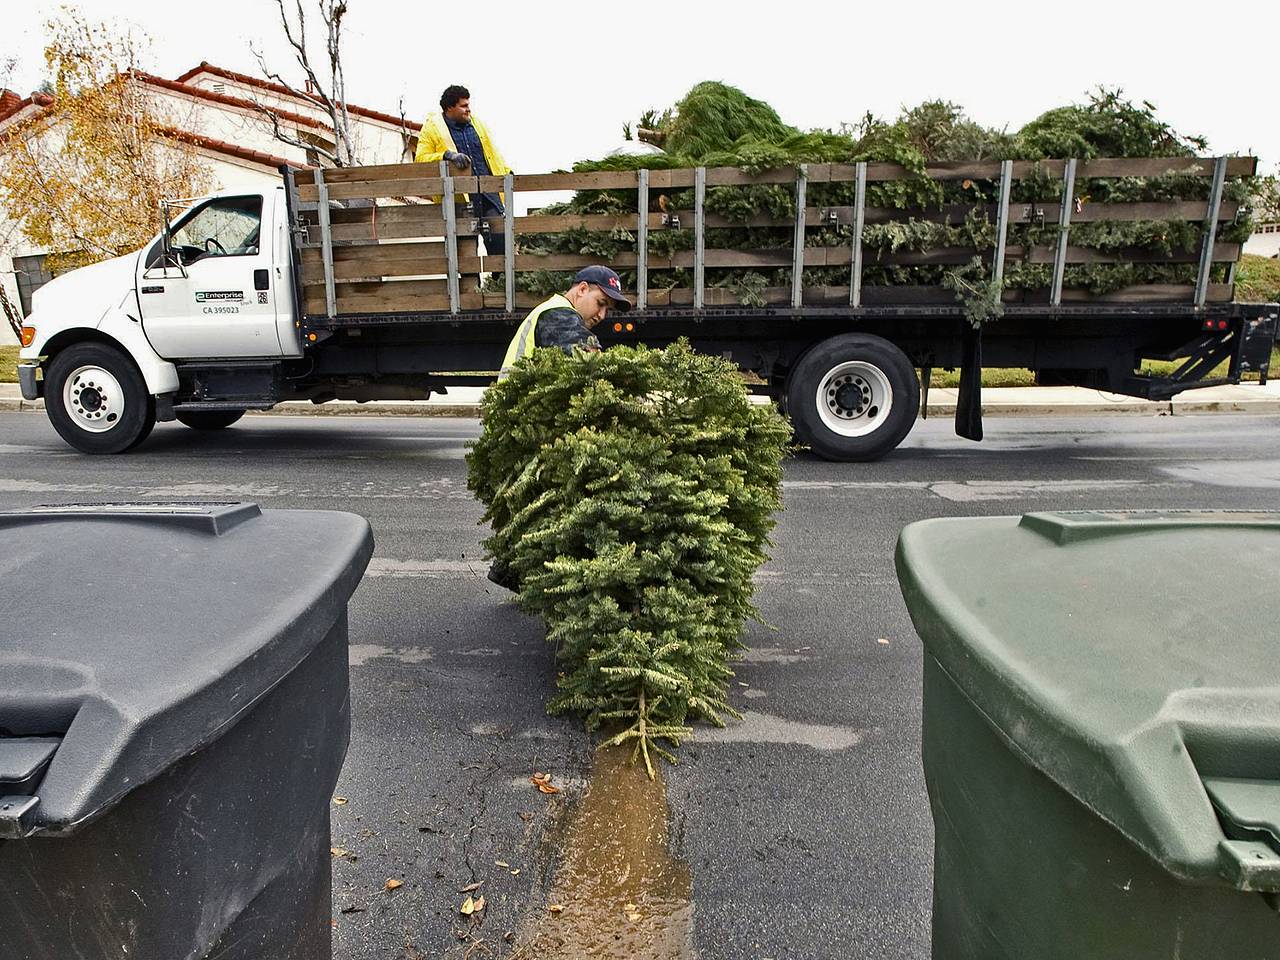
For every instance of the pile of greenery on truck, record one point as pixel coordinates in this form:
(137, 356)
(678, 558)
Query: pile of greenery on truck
(716, 125)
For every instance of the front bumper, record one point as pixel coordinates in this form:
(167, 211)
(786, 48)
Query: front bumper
(32, 389)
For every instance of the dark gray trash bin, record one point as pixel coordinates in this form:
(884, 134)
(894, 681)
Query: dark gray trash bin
(174, 713)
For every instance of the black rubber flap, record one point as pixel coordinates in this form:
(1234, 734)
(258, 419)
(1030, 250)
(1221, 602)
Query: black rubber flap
(1128, 655)
(137, 633)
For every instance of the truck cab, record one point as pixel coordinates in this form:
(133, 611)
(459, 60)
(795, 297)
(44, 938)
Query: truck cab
(105, 345)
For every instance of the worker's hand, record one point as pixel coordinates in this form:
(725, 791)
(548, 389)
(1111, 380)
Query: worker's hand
(459, 160)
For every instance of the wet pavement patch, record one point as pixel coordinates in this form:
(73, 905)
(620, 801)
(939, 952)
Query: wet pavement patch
(618, 892)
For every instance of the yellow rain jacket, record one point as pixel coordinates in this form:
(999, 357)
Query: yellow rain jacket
(435, 139)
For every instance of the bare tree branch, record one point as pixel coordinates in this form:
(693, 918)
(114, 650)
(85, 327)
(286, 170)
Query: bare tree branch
(406, 138)
(278, 132)
(332, 97)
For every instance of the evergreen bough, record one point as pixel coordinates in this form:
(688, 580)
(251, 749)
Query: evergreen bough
(631, 494)
(718, 125)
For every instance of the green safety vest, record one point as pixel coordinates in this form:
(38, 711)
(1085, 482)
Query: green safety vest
(522, 342)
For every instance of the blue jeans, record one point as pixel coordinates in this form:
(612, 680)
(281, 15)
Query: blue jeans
(495, 241)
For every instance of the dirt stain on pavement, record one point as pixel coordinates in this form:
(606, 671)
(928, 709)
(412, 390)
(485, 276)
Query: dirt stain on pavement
(620, 892)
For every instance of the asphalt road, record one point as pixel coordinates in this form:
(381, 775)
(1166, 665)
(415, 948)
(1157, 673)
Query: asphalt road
(806, 827)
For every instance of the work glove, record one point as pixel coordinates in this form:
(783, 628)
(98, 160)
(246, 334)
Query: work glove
(459, 160)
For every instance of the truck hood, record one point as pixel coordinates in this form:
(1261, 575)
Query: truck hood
(82, 297)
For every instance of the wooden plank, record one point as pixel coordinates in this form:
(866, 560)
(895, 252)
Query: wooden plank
(1222, 253)
(372, 269)
(1150, 293)
(556, 223)
(419, 247)
(365, 234)
(384, 171)
(528, 262)
(409, 304)
(385, 214)
(395, 296)
(408, 179)
(406, 222)
(1164, 166)
(596, 180)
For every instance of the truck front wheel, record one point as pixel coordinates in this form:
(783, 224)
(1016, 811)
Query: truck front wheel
(853, 397)
(208, 419)
(97, 400)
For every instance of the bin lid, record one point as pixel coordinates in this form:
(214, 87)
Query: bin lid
(136, 633)
(1129, 656)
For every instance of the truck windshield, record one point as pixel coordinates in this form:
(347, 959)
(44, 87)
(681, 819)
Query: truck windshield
(224, 227)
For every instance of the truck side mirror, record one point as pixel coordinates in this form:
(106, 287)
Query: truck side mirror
(169, 257)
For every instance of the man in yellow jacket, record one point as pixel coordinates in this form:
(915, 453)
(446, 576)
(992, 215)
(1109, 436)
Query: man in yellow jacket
(461, 140)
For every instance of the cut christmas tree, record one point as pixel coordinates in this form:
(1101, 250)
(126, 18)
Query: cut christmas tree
(631, 494)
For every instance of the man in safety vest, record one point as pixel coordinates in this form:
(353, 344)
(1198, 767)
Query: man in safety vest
(565, 320)
(461, 140)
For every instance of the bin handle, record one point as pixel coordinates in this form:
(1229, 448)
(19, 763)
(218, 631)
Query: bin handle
(17, 817)
(1249, 811)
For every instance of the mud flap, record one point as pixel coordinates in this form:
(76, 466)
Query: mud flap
(969, 401)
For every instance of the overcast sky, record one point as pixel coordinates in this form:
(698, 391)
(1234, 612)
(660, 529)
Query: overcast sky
(555, 81)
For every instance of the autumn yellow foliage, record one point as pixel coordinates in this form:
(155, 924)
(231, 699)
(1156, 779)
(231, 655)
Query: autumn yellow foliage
(85, 178)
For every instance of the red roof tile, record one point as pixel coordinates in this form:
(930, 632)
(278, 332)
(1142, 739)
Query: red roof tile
(11, 104)
(206, 67)
(239, 102)
(230, 149)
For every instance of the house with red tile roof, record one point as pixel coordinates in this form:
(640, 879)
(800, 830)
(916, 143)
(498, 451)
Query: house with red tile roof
(230, 119)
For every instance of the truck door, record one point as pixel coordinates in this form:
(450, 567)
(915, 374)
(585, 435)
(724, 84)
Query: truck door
(225, 305)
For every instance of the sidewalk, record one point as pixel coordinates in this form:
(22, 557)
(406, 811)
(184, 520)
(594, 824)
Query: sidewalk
(996, 402)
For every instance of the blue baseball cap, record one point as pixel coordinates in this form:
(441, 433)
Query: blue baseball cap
(606, 280)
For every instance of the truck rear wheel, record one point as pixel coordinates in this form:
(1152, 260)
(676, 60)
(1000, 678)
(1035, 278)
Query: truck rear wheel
(853, 397)
(97, 400)
(208, 419)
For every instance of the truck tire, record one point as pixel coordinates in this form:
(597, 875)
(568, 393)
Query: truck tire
(208, 419)
(853, 397)
(97, 400)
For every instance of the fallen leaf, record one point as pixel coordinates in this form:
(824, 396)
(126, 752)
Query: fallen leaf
(555, 908)
(540, 776)
(479, 904)
(501, 863)
(393, 883)
(515, 872)
(339, 800)
(882, 640)
(471, 886)
(547, 788)
(468, 907)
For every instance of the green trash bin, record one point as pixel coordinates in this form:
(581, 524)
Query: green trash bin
(1101, 734)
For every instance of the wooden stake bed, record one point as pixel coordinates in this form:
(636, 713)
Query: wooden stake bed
(384, 242)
